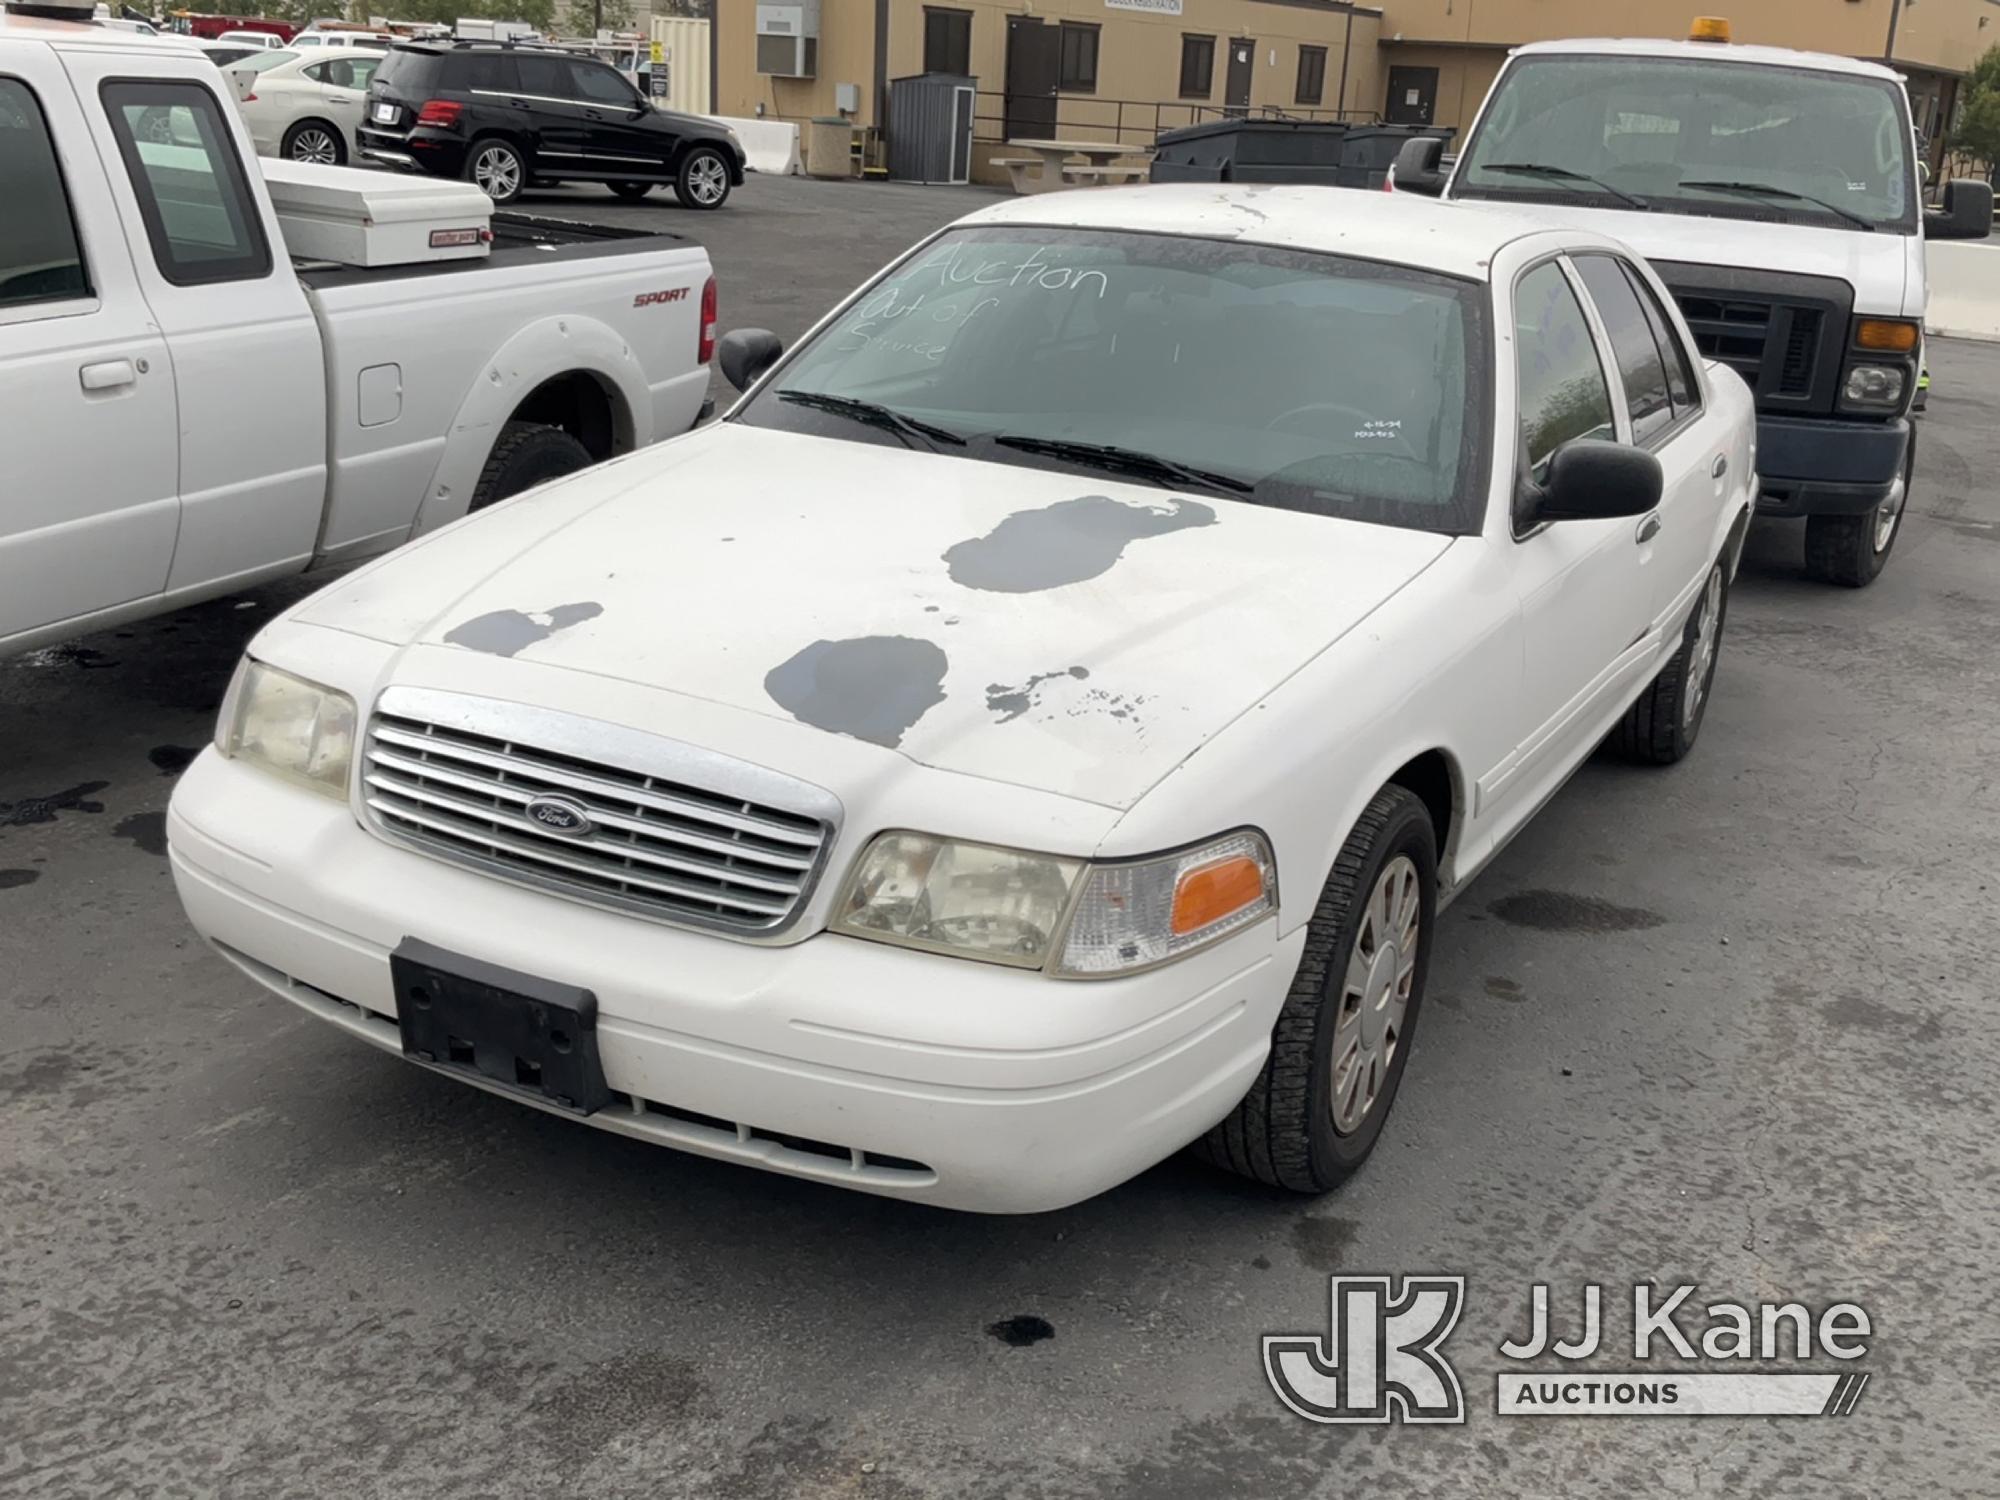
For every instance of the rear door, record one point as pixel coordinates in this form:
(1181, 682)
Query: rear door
(88, 466)
(342, 85)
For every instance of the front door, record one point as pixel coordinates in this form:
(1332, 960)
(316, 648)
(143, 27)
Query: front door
(1033, 57)
(1413, 96)
(621, 131)
(1242, 60)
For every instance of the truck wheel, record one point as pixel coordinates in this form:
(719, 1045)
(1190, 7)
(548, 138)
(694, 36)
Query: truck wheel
(630, 190)
(703, 180)
(1661, 727)
(1852, 550)
(496, 169)
(314, 141)
(1343, 1037)
(528, 454)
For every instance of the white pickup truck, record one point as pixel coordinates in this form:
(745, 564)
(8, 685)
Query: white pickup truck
(191, 410)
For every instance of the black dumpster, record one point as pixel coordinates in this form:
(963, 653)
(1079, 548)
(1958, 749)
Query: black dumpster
(1328, 152)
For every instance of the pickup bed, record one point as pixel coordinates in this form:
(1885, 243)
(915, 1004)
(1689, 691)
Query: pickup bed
(192, 410)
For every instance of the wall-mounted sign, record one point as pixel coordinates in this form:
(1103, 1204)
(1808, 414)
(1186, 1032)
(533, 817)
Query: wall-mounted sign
(1152, 7)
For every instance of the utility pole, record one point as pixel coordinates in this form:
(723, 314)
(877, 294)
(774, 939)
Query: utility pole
(1895, 15)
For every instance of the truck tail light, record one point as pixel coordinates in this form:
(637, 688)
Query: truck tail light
(440, 112)
(705, 349)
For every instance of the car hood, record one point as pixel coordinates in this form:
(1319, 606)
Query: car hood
(1071, 634)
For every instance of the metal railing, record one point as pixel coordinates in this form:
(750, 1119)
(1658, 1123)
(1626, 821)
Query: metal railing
(1141, 121)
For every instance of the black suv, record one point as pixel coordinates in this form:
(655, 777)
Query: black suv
(506, 116)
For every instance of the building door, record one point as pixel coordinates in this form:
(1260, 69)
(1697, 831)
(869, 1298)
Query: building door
(1413, 96)
(1242, 57)
(1034, 55)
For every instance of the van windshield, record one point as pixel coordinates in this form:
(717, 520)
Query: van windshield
(1723, 139)
(1301, 381)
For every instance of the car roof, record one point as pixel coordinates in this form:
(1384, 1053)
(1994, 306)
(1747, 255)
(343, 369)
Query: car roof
(1398, 228)
(1730, 52)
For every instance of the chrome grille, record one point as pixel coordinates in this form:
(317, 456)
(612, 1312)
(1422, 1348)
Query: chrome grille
(659, 844)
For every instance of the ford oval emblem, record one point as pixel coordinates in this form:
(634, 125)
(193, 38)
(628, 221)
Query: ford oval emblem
(559, 815)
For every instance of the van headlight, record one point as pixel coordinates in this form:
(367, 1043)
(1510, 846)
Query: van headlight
(1070, 917)
(288, 726)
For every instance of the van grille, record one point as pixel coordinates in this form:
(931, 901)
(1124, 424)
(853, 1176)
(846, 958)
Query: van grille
(1781, 333)
(659, 846)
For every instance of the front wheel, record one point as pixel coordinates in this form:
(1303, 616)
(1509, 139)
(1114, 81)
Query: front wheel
(703, 179)
(1852, 550)
(496, 169)
(1343, 1037)
(1661, 727)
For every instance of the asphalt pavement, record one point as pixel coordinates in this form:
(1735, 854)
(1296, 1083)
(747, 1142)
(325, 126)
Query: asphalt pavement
(1729, 1024)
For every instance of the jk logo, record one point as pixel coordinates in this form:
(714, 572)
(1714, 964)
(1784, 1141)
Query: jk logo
(1382, 1362)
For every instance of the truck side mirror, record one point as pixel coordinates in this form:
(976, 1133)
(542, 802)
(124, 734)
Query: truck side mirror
(1593, 480)
(746, 353)
(1967, 213)
(1418, 167)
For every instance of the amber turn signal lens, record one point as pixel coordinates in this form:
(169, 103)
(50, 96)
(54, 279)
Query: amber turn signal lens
(1212, 892)
(1886, 333)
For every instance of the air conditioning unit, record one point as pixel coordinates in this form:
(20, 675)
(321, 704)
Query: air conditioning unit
(788, 39)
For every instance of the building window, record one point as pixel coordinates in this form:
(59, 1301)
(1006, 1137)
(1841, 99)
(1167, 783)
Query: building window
(947, 41)
(1312, 75)
(1079, 59)
(1197, 67)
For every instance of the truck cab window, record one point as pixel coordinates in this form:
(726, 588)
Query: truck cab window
(40, 259)
(190, 183)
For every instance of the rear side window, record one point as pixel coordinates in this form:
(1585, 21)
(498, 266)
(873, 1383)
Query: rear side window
(1562, 387)
(1680, 373)
(415, 72)
(544, 77)
(1632, 344)
(40, 258)
(190, 183)
(486, 72)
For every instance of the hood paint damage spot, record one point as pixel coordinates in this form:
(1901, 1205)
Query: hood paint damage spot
(1011, 702)
(506, 631)
(1064, 543)
(873, 687)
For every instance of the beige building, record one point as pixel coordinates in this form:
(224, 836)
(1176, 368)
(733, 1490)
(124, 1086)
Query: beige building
(1125, 69)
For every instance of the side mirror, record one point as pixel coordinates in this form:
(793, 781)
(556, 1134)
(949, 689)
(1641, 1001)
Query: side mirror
(1967, 213)
(1419, 166)
(1591, 479)
(746, 353)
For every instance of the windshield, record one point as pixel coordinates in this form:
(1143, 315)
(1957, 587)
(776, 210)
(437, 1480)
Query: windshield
(1652, 128)
(1304, 381)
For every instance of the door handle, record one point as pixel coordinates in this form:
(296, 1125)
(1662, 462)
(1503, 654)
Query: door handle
(1649, 528)
(107, 374)
(1720, 467)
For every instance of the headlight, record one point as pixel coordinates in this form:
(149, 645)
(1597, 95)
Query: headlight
(288, 726)
(1009, 906)
(1873, 385)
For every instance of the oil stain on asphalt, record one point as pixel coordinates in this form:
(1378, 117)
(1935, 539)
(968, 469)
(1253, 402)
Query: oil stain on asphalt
(79, 798)
(1562, 911)
(1323, 1243)
(171, 759)
(147, 830)
(13, 879)
(1021, 1330)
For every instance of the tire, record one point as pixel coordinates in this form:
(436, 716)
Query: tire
(527, 454)
(497, 168)
(630, 191)
(1852, 550)
(314, 141)
(1284, 1132)
(703, 179)
(1662, 726)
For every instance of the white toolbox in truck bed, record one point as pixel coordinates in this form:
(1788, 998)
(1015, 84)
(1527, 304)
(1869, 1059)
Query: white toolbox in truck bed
(358, 218)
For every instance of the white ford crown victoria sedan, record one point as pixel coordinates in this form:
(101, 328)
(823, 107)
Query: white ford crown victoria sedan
(1036, 730)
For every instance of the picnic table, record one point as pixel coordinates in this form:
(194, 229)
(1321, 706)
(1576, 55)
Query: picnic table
(1047, 168)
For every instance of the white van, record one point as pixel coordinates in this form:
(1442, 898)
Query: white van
(1778, 196)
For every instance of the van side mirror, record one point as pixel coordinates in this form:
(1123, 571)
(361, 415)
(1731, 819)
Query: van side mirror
(1419, 166)
(746, 353)
(1967, 213)
(1593, 480)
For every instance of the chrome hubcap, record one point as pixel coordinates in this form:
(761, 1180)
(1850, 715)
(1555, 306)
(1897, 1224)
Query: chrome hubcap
(707, 180)
(1888, 513)
(1375, 994)
(498, 171)
(313, 146)
(1702, 657)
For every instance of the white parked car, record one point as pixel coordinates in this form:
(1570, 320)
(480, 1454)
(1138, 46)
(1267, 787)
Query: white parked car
(312, 36)
(308, 107)
(1036, 730)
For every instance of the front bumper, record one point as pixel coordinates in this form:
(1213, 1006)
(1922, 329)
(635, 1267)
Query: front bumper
(934, 1079)
(1824, 466)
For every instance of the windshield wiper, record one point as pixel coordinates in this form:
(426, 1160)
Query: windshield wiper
(1165, 472)
(1563, 174)
(875, 414)
(1772, 190)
